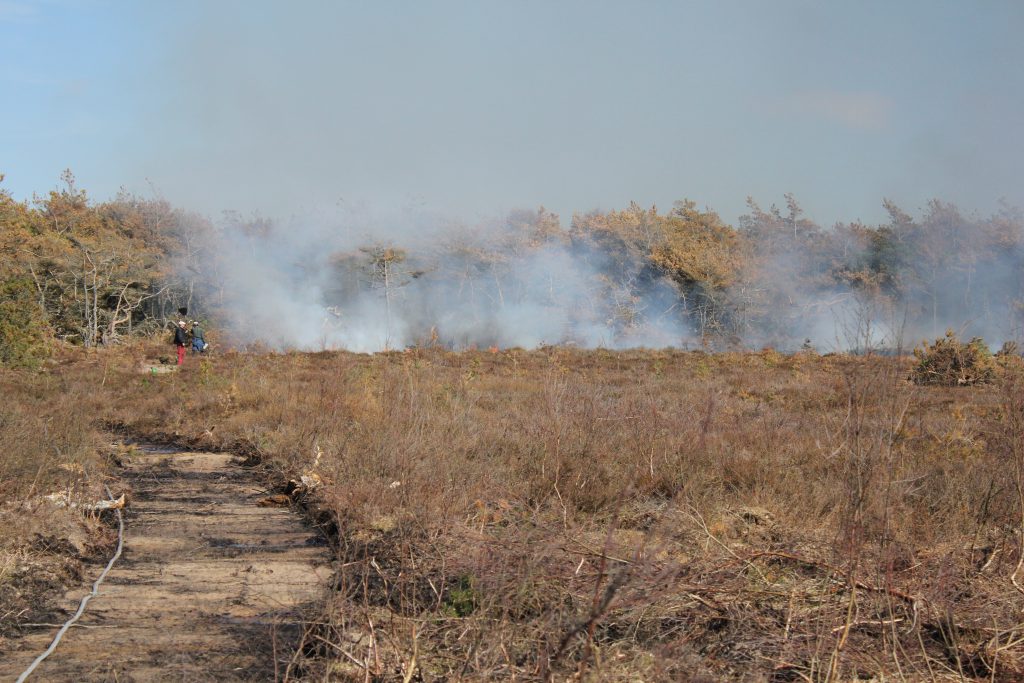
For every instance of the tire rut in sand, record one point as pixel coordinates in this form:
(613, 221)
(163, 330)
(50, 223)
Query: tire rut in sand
(209, 586)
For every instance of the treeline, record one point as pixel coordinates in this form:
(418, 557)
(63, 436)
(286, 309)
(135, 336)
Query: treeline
(91, 273)
(778, 275)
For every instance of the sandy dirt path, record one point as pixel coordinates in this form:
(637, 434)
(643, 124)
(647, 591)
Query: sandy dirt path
(209, 585)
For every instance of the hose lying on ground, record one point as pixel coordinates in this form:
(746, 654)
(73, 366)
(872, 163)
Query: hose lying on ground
(85, 600)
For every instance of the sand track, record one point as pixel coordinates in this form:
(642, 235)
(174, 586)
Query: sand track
(208, 587)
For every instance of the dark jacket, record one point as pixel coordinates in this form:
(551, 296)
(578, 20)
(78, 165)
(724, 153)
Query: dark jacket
(180, 337)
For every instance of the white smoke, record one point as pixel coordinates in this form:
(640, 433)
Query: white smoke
(365, 283)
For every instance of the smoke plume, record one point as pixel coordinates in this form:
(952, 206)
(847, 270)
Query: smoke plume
(366, 281)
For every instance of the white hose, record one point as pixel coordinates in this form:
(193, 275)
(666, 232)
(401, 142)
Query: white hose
(89, 596)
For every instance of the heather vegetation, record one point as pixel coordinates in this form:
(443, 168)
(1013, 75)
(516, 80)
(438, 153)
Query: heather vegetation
(618, 515)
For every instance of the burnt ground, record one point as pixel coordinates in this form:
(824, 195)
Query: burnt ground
(211, 586)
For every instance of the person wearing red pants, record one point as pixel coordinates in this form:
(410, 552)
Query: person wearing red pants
(181, 340)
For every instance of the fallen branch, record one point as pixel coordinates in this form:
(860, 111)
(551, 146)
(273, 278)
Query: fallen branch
(867, 622)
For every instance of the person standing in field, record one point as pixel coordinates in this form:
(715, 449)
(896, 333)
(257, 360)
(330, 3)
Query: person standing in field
(181, 340)
(198, 342)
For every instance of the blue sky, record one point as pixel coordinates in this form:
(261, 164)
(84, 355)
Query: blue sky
(473, 108)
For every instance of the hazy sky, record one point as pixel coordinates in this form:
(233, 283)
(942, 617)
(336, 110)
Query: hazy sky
(476, 107)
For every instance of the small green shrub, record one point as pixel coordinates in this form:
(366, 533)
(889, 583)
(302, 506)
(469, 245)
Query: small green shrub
(950, 362)
(462, 599)
(23, 331)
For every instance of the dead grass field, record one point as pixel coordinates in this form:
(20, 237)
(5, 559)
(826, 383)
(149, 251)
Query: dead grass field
(657, 515)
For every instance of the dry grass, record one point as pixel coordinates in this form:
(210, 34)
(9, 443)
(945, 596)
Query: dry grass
(626, 516)
(49, 443)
